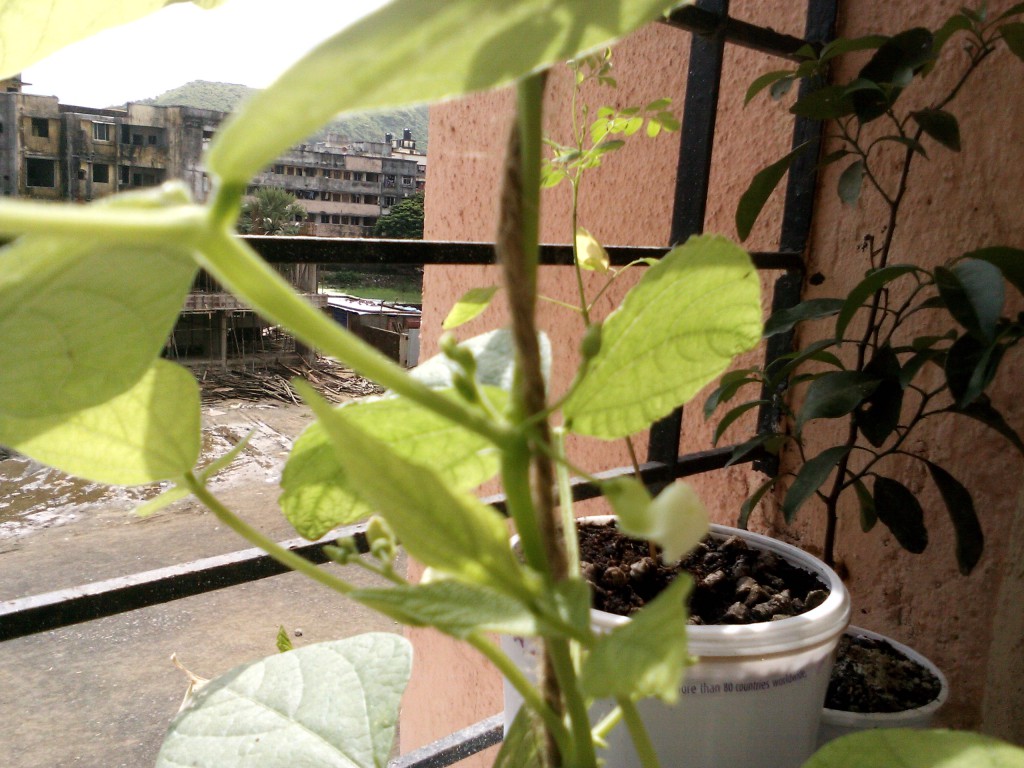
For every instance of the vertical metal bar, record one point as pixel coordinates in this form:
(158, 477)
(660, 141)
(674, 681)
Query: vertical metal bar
(796, 220)
(700, 110)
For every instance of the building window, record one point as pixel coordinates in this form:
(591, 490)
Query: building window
(326, 173)
(125, 174)
(289, 171)
(137, 140)
(389, 201)
(151, 140)
(407, 181)
(389, 180)
(40, 172)
(101, 173)
(325, 218)
(279, 169)
(369, 221)
(81, 174)
(335, 218)
(101, 131)
(41, 128)
(421, 168)
(148, 178)
(373, 177)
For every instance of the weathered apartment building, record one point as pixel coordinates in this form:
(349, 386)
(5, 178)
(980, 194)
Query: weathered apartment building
(54, 151)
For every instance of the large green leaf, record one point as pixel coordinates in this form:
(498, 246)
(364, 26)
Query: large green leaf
(317, 492)
(676, 330)
(836, 394)
(82, 321)
(494, 356)
(974, 292)
(970, 368)
(646, 656)
(146, 434)
(813, 309)
(440, 526)
(940, 125)
(412, 52)
(879, 415)
(970, 540)
(761, 187)
(452, 607)
(30, 30)
(901, 513)
(906, 748)
(1009, 260)
(812, 474)
(330, 705)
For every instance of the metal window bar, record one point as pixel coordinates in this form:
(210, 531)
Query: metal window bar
(712, 28)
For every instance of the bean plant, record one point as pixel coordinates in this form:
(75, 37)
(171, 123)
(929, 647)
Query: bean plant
(893, 378)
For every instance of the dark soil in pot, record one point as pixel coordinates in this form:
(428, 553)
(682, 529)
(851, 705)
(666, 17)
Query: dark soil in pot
(733, 583)
(872, 676)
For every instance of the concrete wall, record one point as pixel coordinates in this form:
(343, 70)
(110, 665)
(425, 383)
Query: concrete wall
(959, 202)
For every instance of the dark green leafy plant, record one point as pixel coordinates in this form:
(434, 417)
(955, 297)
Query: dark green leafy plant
(869, 371)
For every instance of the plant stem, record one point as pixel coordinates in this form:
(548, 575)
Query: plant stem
(638, 732)
(181, 225)
(268, 545)
(236, 265)
(554, 725)
(583, 755)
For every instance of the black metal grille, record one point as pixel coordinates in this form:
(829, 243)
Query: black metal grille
(712, 29)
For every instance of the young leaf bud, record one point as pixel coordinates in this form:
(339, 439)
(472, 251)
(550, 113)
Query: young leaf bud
(342, 550)
(591, 343)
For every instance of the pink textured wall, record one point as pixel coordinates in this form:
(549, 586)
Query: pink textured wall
(960, 202)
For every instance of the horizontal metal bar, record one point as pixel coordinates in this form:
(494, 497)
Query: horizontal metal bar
(742, 33)
(362, 250)
(65, 607)
(455, 747)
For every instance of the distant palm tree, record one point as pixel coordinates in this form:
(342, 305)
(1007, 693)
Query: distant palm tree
(271, 211)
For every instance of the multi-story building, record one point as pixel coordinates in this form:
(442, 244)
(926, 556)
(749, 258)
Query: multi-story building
(345, 186)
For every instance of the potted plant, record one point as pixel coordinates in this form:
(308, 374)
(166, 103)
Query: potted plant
(867, 373)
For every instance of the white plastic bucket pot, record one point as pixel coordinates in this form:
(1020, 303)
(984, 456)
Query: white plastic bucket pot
(836, 723)
(754, 697)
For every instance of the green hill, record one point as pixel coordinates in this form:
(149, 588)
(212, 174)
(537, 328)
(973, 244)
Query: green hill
(224, 97)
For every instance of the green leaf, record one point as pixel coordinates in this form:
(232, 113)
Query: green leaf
(494, 353)
(761, 186)
(813, 309)
(879, 414)
(865, 289)
(970, 540)
(812, 474)
(729, 384)
(835, 394)
(743, 450)
(753, 500)
(590, 254)
(940, 125)
(676, 519)
(442, 527)
(34, 30)
(646, 656)
(283, 642)
(974, 292)
(318, 494)
(145, 434)
(393, 58)
(1010, 262)
(473, 302)
(849, 45)
(332, 704)
(981, 409)
(523, 744)
(1013, 35)
(901, 513)
(82, 320)
(868, 515)
(851, 181)
(781, 88)
(675, 331)
(452, 607)
(908, 748)
(955, 23)
(765, 80)
(1013, 10)
(970, 368)
(731, 416)
(828, 103)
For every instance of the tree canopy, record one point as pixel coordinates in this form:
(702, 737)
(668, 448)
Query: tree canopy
(271, 211)
(404, 222)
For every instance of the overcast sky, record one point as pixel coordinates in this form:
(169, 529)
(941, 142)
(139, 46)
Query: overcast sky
(242, 41)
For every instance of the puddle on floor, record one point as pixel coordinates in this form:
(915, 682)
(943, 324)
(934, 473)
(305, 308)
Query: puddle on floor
(34, 496)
